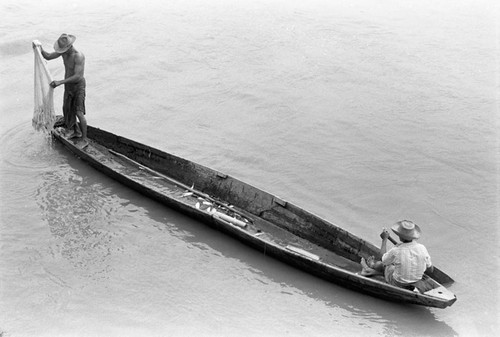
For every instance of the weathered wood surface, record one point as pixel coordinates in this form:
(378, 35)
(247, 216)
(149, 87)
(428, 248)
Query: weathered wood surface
(270, 224)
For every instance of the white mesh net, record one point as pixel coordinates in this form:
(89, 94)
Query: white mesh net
(43, 116)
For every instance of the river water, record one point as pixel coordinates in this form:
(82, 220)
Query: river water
(363, 112)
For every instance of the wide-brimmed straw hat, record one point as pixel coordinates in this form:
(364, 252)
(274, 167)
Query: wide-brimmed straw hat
(63, 43)
(406, 229)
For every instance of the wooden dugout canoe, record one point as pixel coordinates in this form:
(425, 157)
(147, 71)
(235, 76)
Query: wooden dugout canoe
(261, 220)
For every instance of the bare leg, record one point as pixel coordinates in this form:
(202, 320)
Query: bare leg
(78, 132)
(83, 126)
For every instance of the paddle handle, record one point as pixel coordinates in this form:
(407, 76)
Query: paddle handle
(392, 240)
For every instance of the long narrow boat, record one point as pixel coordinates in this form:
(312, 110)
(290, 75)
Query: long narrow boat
(259, 219)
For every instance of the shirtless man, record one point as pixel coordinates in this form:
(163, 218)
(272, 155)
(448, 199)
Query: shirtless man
(74, 86)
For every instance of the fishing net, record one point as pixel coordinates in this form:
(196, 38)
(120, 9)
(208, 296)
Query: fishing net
(43, 116)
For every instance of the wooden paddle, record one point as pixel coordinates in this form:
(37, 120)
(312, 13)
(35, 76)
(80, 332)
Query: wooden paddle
(436, 273)
(394, 242)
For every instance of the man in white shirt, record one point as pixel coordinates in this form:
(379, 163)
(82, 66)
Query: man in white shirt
(405, 264)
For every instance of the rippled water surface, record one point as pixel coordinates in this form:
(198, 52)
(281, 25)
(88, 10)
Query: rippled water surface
(362, 112)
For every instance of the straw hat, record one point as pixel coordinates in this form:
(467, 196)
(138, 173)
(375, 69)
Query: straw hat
(406, 229)
(64, 42)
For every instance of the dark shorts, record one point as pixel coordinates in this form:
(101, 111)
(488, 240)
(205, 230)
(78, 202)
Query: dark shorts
(74, 101)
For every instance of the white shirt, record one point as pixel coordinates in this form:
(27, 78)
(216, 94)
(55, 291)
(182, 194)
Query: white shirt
(410, 260)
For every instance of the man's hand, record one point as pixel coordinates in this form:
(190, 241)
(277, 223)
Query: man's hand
(384, 235)
(36, 43)
(383, 247)
(54, 84)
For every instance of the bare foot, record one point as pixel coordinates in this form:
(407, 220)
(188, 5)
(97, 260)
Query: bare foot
(82, 144)
(364, 264)
(74, 135)
(370, 261)
(367, 270)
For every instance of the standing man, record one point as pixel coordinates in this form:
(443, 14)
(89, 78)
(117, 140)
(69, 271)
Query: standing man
(74, 86)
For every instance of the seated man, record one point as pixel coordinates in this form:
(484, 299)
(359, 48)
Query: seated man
(405, 264)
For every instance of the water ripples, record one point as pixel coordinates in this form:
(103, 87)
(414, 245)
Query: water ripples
(23, 149)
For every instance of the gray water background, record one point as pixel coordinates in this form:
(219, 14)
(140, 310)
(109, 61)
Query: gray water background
(363, 112)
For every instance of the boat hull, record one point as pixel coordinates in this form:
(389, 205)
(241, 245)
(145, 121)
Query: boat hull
(259, 219)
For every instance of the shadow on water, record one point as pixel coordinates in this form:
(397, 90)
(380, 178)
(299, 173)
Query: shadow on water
(79, 204)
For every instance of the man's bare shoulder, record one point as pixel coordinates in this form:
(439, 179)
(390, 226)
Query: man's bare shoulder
(79, 56)
(74, 54)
